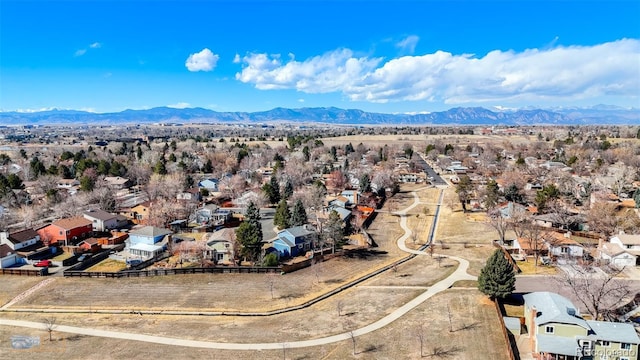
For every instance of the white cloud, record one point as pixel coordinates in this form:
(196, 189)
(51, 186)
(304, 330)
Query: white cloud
(237, 59)
(408, 44)
(204, 60)
(95, 45)
(567, 73)
(80, 52)
(301, 100)
(180, 105)
(332, 71)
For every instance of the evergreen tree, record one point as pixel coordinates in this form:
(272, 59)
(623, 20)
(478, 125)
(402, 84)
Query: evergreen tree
(464, 190)
(288, 189)
(282, 216)
(512, 193)
(306, 153)
(14, 181)
(365, 183)
(492, 194)
(272, 190)
(299, 215)
(208, 167)
(160, 167)
(249, 233)
(497, 279)
(86, 183)
(332, 231)
(636, 197)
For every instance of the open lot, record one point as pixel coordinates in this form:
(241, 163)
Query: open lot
(474, 321)
(13, 285)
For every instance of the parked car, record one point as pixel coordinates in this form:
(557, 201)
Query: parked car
(84, 257)
(43, 263)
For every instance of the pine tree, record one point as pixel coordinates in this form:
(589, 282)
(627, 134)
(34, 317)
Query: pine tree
(288, 190)
(249, 233)
(299, 215)
(636, 197)
(497, 279)
(333, 230)
(282, 216)
(272, 190)
(365, 183)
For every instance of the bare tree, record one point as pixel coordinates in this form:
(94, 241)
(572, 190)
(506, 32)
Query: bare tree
(339, 307)
(498, 222)
(50, 325)
(535, 237)
(352, 335)
(421, 338)
(602, 218)
(271, 282)
(599, 291)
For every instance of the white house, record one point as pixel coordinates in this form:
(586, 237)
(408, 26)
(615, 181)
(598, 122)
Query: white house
(209, 184)
(563, 247)
(616, 255)
(628, 242)
(19, 239)
(101, 220)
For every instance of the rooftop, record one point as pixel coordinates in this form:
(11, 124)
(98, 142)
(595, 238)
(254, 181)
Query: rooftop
(72, 223)
(99, 214)
(554, 308)
(22, 236)
(150, 231)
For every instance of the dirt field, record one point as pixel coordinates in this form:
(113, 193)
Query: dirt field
(12, 285)
(476, 335)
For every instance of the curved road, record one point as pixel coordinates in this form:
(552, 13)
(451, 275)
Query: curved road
(459, 274)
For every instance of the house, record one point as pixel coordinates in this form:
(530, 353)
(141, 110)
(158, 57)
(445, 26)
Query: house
(147, 235)
(629, 242)
(19, 239)
(209, 184)
(68, 230)
(456, 167)
(101, 220)
(295, 241)
(557, 331)
(117, 182)
(204, 214)
(142, 241)
(509, 209)
(352, 196)
(407, 177)
(90, 245)
(563, 247)
(219, 246)
(191, 195)
(8, 257)
(139, 214)
(68, 184)
(615, 255)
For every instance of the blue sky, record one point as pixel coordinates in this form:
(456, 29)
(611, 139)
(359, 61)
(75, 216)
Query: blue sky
(383, 56)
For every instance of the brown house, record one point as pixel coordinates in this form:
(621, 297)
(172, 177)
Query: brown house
(67, 231)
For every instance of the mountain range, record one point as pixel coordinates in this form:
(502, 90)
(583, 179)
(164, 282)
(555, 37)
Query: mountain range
(596, 115)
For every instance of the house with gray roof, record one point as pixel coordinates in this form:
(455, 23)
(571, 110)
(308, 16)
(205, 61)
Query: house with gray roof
(295, 241)
(557, 331)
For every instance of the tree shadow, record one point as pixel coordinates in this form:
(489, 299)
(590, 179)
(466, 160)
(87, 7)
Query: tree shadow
(372, 348)
(442, 352)
(471, 326)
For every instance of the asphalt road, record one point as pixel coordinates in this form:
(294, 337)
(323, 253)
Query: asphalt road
(431, 173)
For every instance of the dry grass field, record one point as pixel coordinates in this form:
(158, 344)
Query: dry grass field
(108, 265)
(475, 324)
(13, 285)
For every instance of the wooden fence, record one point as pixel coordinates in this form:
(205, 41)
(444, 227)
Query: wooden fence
(24, 272)
(510, 344)
(178, 271)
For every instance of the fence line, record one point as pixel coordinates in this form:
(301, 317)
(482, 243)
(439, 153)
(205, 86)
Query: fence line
(179, 271)
(505, 332)
(24, 272)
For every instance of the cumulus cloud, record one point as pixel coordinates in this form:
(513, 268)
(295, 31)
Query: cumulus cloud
(80, 52)
(237, 59)
(204, 60)
(95, 45)
(570, 73)
(332, 71)
(408, 44)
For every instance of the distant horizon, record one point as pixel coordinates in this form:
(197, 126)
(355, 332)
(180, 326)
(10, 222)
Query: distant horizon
(490, 108)
(386, 56)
